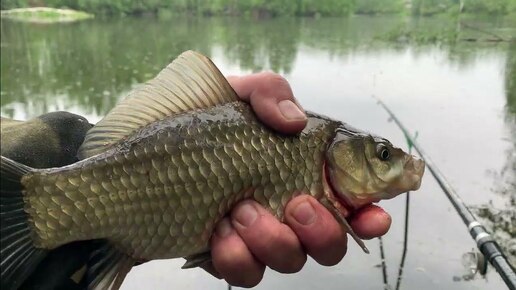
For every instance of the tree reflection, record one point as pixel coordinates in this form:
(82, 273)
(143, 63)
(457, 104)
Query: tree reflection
(91, 64)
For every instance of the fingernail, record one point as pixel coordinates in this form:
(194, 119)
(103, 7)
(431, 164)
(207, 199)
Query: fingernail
(224, 228)
(291, 111)
(304, 213)
(245, 215)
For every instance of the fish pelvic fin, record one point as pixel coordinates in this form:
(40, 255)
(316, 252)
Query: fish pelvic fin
(19, 255)
(107, 268)
(190, 82)
(197, 260)
(344, 223)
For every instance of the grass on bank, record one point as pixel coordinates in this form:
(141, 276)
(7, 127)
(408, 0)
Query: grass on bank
(45, 14)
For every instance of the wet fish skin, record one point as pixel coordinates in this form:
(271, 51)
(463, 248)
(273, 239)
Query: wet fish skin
(160, 193)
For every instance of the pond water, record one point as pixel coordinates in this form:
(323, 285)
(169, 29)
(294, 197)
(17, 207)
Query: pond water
(449, 80)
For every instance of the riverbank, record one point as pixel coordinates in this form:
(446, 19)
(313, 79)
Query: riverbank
(277, 8)
(45, 15)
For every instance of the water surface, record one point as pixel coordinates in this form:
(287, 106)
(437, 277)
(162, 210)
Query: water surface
(460, 97)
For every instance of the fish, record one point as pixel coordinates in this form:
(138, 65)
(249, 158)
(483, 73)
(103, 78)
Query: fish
(158, 172)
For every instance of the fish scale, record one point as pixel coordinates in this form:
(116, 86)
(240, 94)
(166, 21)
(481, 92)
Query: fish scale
(129, 200)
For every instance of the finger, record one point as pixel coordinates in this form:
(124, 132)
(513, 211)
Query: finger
(271, 242)
(319, 232)
(370, 222)
(208, 267)
(272, 100)
(232, 259)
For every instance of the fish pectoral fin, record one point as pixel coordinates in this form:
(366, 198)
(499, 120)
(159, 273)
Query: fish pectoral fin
(190, 82)
(344, 223)
(107, 268)
(197, 260)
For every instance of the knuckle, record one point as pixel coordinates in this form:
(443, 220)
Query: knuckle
(228, 257)
(233, 259)
(273, 77)
(275, 82)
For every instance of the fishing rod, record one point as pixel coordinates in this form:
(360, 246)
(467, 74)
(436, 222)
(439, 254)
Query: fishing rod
(485, 242)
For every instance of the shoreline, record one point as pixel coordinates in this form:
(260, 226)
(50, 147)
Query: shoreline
(45, 15)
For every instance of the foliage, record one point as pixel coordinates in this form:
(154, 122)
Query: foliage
(271, 8)
(45, 15)
(430, 7)
(379, 6)
(325, 7)
(490, 7)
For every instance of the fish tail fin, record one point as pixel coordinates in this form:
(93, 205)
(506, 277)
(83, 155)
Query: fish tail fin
(19, 256)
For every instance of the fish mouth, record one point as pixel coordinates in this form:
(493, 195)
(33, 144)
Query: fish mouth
(414, 169)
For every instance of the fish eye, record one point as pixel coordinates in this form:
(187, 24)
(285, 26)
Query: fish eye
(383, 152)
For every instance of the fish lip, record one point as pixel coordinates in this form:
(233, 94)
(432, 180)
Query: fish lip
(416, 167)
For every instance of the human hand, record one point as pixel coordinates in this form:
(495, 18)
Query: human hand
(251, 238)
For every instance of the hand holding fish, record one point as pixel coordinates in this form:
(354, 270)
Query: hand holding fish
(184, 168)
(252, 238)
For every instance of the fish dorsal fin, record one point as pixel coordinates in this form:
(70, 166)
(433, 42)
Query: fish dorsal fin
(190, 82)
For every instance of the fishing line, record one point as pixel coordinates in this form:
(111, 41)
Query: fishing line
(384, 266)
(405, 244)
(405, 235)
(485, 242)
(405, 241)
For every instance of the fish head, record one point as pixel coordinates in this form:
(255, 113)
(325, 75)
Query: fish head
(362, 168)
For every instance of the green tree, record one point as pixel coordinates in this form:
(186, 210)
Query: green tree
(379, 6)
(490, 7)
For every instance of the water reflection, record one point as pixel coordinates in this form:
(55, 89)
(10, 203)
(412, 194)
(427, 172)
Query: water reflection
(91, 64)
(502, 221)
(510, 82)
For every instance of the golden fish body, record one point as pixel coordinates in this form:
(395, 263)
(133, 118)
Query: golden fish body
(160, 193)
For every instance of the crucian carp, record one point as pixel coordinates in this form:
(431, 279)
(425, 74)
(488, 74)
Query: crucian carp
(172, 159)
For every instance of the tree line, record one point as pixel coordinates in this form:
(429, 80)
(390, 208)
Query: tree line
(273, 8)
